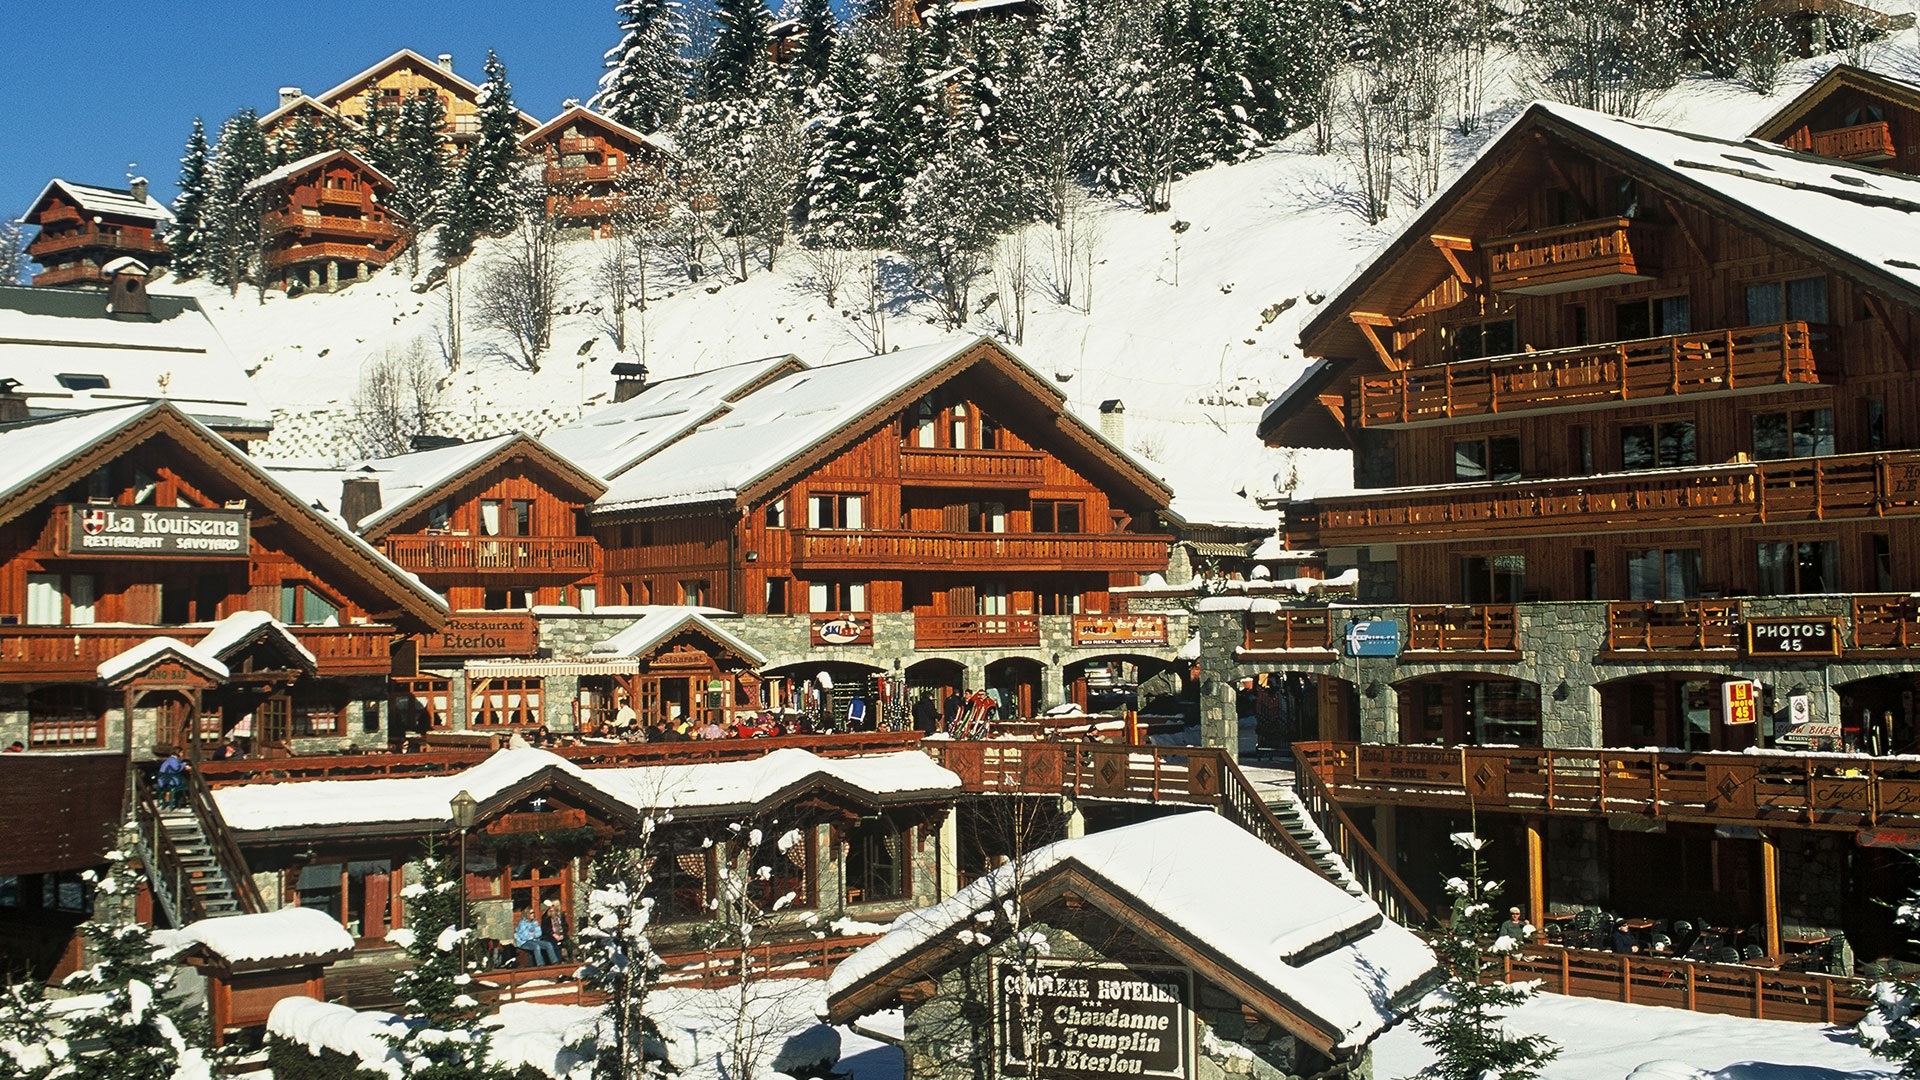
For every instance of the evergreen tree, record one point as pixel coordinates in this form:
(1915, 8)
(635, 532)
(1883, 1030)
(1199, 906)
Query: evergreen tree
(736, 66)
(408, 147)
(818, 28)
(231, 218)
(1464, 1027)
(647, 75)
(138, 1030)
(29, 1048)
(857, 164)
(444, 1039)
(1891, 1027)
(187, 240)
(487, 195)
(13, 253)
(310, 135)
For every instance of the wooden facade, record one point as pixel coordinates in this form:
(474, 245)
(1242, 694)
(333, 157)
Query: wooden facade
(83, 229)
(591, 165)
(1852, 115)
(325, 222)
(388, 84)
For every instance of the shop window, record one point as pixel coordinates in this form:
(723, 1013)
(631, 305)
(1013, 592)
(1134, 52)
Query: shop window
(1657, 316)
(826, 597)
(418, 705)
(1668, 444)
(1495, 457)
(303, 605)
(61, 599)
(876, 865)
(1663, 573)
(59, 717)
(1050, 516)
(1475, 340)
(1798, 566)
(835, 511)
(500, 702)
(317, 713)
(1797, 433)
(1492, 579)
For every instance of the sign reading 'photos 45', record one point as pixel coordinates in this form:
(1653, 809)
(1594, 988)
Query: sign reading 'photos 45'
(185, 533)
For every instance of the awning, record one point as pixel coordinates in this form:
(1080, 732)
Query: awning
(533, 669)
(1214, 549)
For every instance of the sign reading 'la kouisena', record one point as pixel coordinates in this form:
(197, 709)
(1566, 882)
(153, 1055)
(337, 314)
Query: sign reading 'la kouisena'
(1069, 1019)
(185, 532)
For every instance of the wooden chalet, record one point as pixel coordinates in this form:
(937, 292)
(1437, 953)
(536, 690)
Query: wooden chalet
(1632, 416)
(83, 228)
(591, 163)
(325, 223)
(1851, 114)
(916, 12)
(387, 84)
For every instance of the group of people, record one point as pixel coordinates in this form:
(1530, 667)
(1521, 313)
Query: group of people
(546, 940)
(679, 729)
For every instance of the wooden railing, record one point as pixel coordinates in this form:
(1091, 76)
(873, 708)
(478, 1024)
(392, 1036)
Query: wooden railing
(226, 852)
(971, 467)
(47, 243)
(57, 212)
(1886, 622)
(559, 984)
(60, 653)
(176, 885)
(1290, 628)
(828, 549)
(1368, 868)
(366, 253)
(1463, 628)
(580, 174)
(330, 225)
(1673, 625)
(1837, 488)
(342, 196)
(1727, 989)
(1871, 141)
(1562, 257)
(563, 206)
(975, 631)
(1712, 362)
(581, 144)
(1812, 791)
(359, 649)
(485, 554)
(68, 274)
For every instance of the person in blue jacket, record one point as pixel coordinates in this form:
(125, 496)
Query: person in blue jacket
(526, 935)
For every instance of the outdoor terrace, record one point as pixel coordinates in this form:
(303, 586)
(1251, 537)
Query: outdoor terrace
(65, 653)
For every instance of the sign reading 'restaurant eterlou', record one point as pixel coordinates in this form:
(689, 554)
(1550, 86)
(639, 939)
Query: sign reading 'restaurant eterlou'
(155, 532)
(1068, 1019)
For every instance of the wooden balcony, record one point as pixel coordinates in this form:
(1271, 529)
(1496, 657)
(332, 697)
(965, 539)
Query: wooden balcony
(971, 468)
(82, 239)
(1568, 257)
(1809, 791)
(1861, 142)
(493, 554)
(338, 196)
(357, 253)
(560, 206)
(1290, 630)
(579, 144)
(1714, 362)
(1464, 628)
(70, 653)
(580, 174)
(867, 549)
(976, 631)
(1838, 488)
(70, 274)
(349, 650)
(329, 225)
(1673, 625)
(56, 213)
(1886, 622)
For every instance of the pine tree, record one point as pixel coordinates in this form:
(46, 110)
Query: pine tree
(857, 165)
(736, 66)
(1891, 1027)
(231, 218)
(444, 1040)
(818, 29)
(13, 253)
(138, 1030)
(1464, 1028)
(647, 75)
(486, 198)
(30, 1049)
(407, 146)
(187, 239)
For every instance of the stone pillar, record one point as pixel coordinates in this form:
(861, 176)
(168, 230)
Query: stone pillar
(313, 277)
(557, 695)
(1053, 685)
(333, 274)
(1379, 704)
(1219, 716)
(360, 272)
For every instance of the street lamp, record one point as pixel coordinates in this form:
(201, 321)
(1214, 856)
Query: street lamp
(463, 806)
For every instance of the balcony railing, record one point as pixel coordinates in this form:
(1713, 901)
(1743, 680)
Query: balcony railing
(1673, 625)
(560, 206)
(1842, 487)
(976, 631)
(971, 468)
(1861, 142)
(57, 213)
(1568, 257)
(490, 554)
(366, 253)
(349, 650)
(1472, 628)
(580, 174)
(818, 549)
(342, 196)
(1713, 362)
(575, 144)
(329, 225)
(48, 243)
(63, 653)
(70, 273)
(1886, 622)
(1290, 629)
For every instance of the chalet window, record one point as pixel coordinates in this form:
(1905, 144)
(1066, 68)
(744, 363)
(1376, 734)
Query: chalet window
(1656, 316)
(1665, 445)
(990, 598)
(681, 883)
(1799, 300)
(419, 705)
(1626, 197)
(1581, 438)
(876, 866)
(61, 599)
(961, 439)
(1663, 573)
(503, 701)
(1492, 579)
(827, 597)
(776, 603)
(440, 516)
(1054, 603)
(1798, 566)
(1050, 516)
(1576, 325)
(780, 872)
(66, 716)
(987, 517)
(100, 485)
(989, 434)
(1589, 574)
(1798, 433)
(586, 598)
(1876, 424)
(694, 592)
(490, 517)
(924, 416)
(1880, 558)
(145, 487)
(1475, 340)
(64, 890)
(1496, 457)
(318, 713)
(1864, 114)
(522, 520)
(507, 599)
(302, 605)
(835, 511)
(777, 514)
(1562, 208)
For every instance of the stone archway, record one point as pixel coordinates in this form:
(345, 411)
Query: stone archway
(1678, 709)
(1472, 707)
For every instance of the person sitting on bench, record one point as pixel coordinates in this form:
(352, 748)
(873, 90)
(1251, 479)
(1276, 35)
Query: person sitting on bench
(526, 936)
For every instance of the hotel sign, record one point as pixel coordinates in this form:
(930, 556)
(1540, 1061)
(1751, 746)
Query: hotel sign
(152, 532)
(1793, 637)
(1119, 630)
(1074, 1019)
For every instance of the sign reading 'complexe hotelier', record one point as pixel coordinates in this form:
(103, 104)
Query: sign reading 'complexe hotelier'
(152, 531)
(1070, 1019)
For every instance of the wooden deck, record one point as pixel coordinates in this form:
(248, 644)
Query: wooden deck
(62, 653)
(493, 554)
(1727, 989)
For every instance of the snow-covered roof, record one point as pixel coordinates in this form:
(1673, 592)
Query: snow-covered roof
(295, 168)
(581, 112)
(105, 200)
(268, 120)
(243, 626)
(425, 66)
(68, 353)
(423, 801)
(258, 940)
(1328, 957)
(656, 626)
(132, 660)
(608, 441)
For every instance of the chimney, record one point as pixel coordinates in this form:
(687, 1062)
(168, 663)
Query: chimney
(628, 380)
(137, 187)
(289, 95)
(13, 404)
(127, 288)
(359, 499)
(1113, 421)
(445, 60)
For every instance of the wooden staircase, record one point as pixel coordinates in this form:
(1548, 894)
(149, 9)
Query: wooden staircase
(193, 866)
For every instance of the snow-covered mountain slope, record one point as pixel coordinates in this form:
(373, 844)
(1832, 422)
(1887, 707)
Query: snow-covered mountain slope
(1193, 329)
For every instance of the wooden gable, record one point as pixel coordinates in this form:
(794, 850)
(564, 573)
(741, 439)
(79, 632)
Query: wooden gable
(521, 468)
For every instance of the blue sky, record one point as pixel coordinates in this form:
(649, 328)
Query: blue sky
(92, 89)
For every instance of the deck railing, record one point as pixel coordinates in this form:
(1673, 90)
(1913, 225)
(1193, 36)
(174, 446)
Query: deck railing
(1886, 622)
(1363, 861)
(975, 631)
(923, 465)
(329, 225)
(580, 174)
(866, 548)
(1712, 362)
(366, 253)
(1463, 628)
(1872, 141)
(1673, 625)
(1290, 628)
(90, 237)
(68, 274)
(1727, 989)
(1557, 258)
(484, 554)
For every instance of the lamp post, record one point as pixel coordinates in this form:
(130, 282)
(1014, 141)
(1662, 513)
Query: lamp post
(463, 806)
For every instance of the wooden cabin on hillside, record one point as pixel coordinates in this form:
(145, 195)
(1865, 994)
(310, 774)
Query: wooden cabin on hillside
(386, 85)
(325, 223)
(592, 163)
(84, 227)
(1853, 115)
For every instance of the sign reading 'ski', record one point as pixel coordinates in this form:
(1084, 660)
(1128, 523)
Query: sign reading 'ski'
(184, 532)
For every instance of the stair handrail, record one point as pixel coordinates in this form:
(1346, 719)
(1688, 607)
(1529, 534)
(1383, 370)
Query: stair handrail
(1368, 867)
(1251, 812)
(166, 874)
(246, 892)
